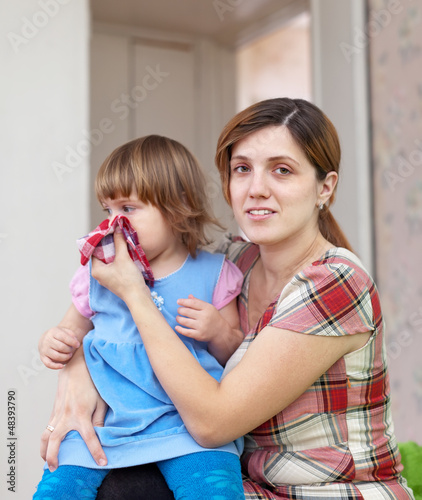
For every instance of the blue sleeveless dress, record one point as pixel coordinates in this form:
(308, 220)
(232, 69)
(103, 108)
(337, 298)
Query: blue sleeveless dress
(142, 425)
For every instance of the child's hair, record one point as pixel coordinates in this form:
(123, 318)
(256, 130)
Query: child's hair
(312, 131)
(160, 171)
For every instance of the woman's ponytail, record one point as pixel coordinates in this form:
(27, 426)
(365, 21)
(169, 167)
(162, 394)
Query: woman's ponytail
(331, 230)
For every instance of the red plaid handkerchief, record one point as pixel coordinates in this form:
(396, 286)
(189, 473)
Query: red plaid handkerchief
(100, 244)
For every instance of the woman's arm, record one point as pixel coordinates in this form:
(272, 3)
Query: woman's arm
(276, 369)
(77, 406)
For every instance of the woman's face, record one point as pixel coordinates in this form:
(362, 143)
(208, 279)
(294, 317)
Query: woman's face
(274, 190)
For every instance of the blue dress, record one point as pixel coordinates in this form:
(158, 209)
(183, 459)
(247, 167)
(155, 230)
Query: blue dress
(142, 425)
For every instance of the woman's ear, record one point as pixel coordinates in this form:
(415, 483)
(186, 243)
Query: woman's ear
(327, 187)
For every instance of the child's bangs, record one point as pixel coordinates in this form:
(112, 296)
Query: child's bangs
(124, 173)
(113, 182)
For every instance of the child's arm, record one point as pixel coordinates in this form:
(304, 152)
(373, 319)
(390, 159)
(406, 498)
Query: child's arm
(58, 344)
(203, 322)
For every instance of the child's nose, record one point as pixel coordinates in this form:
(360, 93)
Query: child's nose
(113, 213)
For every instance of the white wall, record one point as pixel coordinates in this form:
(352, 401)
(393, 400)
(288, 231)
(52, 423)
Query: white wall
(44, 112)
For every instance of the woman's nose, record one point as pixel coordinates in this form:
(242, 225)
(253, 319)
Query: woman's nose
(259, 186)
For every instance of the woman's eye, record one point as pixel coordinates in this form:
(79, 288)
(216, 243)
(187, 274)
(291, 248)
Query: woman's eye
(241, 168)
(282, 170)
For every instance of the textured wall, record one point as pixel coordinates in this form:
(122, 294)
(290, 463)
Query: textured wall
(394, 33)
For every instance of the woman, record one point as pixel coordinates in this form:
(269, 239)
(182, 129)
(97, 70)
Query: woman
(308, 387)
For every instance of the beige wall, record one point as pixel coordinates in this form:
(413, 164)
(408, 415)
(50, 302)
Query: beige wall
(396, 83)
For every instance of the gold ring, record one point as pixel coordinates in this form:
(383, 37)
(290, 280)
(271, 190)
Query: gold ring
(50, 428)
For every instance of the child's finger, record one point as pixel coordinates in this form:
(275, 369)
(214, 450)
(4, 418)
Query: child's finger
(59, 357)
(188, 312)
(55, 360)
(187, 332)
(192, 303)
(69, 338)
(59, 336)
(59, 346)
(186, 322)
(49, 363)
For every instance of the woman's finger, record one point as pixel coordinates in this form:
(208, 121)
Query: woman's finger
(99, 414)
(52, 450)
(50, 444)
(45, 436)
(93, 444)
(96, 267)
(120, 245)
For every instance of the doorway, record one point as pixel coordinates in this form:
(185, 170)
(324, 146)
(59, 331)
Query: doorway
(277, 64)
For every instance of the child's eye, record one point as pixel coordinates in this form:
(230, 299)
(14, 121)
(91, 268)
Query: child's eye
(107, 210)
(127, 209)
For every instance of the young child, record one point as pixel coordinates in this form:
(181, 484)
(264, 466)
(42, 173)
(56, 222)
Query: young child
(154, 186)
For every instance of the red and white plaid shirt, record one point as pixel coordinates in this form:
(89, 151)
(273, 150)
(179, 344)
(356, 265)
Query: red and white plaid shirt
(100, 244)
(336, 440)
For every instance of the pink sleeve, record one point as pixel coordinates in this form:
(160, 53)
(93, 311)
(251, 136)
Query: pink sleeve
(79, 288)
(228, 286)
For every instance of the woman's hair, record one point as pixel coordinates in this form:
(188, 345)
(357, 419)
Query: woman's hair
(312, 131)
(160, 171)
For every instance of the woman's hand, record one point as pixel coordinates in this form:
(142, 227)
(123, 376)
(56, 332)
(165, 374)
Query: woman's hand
(121, 277)
(77, 406)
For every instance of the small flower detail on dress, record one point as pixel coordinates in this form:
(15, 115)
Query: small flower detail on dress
(158, 300)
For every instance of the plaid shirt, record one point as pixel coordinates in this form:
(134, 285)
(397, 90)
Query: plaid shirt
(336, 440)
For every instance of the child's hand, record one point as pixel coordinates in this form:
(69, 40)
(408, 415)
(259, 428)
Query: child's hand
(203, 322)
(57, 346)
(199, 320)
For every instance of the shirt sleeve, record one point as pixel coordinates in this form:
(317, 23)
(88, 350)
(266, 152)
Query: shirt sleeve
(329, 300)
(79, 288)
(242, 253)
(228, 286)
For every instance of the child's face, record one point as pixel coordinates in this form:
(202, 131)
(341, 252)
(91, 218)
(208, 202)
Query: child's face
(155, 234)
